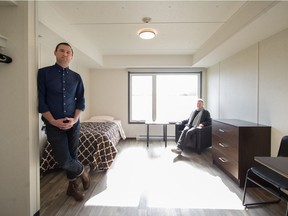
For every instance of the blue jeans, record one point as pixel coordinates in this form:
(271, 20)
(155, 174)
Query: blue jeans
(64, 145)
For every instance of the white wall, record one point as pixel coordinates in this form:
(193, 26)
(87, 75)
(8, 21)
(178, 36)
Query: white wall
(109, 96)
(213, 91)
(273, 88)
(252, 86)
(19, 151)
(238, 86)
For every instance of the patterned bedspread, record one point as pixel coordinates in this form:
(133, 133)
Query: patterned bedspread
(96, 147)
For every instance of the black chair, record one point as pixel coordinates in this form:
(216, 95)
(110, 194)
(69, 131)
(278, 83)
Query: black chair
(201, 141)
(269, 180)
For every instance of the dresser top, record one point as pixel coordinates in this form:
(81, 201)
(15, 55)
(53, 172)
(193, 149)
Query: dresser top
(239, 123)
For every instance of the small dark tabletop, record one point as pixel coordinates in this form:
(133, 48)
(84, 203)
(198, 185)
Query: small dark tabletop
(277, 164)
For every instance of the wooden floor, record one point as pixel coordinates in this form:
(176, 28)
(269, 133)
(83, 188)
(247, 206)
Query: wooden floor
(154, 182)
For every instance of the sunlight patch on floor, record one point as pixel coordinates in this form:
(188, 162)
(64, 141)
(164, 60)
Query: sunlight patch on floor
(153, 176)
(124, 181)
(194, 189)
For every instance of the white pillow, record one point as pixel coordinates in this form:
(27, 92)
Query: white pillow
(101, 118)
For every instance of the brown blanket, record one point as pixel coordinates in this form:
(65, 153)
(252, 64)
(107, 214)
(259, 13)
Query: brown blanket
(96, 147)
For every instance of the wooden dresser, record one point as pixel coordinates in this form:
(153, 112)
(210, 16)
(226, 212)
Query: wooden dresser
(235, 143)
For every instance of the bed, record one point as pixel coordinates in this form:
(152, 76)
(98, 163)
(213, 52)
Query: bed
(97, 144)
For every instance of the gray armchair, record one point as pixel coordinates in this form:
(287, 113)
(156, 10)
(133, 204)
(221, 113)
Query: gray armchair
(202, 140)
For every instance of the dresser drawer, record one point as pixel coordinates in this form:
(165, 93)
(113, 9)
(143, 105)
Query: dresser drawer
(229, 149)
(227, 132)
(225, 162)
(235, 143)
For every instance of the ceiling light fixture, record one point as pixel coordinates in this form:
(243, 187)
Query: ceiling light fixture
(147, 33)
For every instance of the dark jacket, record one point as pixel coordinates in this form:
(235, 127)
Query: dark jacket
(205, 118)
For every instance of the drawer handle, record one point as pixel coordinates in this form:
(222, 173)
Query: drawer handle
(223, 145)
(221, 130)
(224, 160)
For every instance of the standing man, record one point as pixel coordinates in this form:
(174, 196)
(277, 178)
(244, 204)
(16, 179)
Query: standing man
(61, 100)
(199, 118)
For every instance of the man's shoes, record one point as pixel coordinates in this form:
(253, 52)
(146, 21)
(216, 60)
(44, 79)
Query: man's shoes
(177, 158)
(74, 191)
(85, 178)
(176, 150)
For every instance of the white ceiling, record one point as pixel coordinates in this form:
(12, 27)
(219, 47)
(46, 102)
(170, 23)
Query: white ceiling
(189, 33)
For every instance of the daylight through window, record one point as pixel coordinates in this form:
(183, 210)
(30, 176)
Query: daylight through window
(162, 96)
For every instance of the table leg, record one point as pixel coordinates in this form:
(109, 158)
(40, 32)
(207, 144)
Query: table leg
(147, 135)
(165, 134)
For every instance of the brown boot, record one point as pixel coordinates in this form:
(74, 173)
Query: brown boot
(85, 178)
(74, 191)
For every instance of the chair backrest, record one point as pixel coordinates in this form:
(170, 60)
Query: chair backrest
(283, 149)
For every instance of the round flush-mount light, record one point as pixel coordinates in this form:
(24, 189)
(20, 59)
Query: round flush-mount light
(147, 33)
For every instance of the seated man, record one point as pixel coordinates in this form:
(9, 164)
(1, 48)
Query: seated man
(198, 119)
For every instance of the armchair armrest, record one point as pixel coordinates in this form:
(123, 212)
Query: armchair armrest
(204, 138)
(206, 130)
(179, 126)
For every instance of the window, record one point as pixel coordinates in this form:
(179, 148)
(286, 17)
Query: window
(164, 96)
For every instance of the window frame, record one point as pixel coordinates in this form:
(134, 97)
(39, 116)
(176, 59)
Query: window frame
(156, 72)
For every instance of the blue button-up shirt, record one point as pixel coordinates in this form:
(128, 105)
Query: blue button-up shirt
(60, 91)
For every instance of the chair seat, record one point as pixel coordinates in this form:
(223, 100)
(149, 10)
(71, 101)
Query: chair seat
(278, 183)
(271, 176)
(199, 142)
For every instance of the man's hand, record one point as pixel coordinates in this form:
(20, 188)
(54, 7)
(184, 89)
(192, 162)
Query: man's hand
(200, 126)
(63, 123)
(68, 123)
